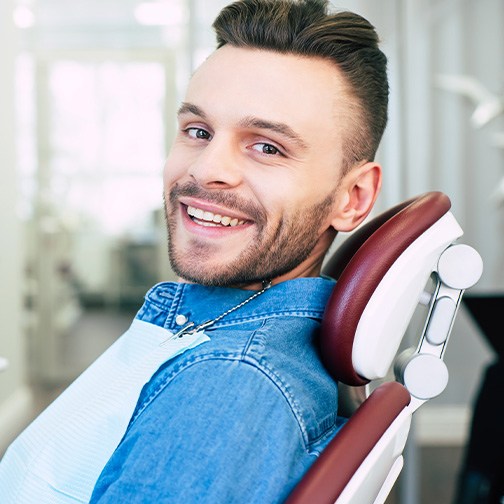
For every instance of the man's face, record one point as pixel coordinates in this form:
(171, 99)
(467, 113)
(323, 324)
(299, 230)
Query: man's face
(252, 179)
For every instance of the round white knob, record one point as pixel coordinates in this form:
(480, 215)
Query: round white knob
(460, 266)
(425, 376)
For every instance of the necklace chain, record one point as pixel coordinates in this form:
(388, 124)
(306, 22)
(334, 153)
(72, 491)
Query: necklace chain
(190, 328)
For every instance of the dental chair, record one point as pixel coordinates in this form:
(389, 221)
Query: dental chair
(402, 259)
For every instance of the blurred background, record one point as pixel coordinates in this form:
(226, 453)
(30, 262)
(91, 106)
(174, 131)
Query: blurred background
(88, 94)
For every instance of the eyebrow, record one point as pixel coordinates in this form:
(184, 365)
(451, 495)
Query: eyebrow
(190, 108)
(277, 127)
(251, 122)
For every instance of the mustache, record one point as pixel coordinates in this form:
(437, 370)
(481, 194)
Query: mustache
(219, 197)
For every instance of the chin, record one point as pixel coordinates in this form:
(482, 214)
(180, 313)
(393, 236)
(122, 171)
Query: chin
(213, 275)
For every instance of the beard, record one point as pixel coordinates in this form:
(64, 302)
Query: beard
(274, 252)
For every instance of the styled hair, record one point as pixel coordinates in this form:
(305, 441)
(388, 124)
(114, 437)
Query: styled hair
(306, 28)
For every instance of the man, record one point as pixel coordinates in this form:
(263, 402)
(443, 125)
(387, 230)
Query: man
(274, 155)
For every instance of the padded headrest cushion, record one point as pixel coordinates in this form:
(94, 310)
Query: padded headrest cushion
(359, 265)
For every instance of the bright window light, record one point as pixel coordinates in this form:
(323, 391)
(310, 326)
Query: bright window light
(23, 17)
(162, 13)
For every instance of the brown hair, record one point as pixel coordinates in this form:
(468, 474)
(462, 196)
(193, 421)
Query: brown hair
(306, 28)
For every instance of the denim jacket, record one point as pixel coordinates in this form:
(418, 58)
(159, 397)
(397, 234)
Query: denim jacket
(238, 419)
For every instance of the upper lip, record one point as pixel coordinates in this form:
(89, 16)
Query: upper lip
(209, 207)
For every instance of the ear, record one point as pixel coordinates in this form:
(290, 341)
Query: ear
(357, 194)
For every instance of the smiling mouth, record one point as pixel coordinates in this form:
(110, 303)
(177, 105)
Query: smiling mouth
(210, 219)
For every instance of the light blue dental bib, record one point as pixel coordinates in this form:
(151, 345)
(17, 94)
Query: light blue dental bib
(59, 457)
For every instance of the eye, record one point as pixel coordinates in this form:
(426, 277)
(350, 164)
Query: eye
(198, 133)
(265, 148)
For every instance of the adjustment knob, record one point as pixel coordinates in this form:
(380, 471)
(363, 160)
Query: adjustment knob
(425, 376)
(460, 266)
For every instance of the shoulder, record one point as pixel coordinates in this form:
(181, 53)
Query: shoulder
(286, 350)
(216, 380)
(267, 367)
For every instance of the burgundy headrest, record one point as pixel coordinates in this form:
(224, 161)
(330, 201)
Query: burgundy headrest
(359, 265)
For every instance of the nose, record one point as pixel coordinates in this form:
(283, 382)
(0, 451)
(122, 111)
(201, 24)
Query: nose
(217, 164)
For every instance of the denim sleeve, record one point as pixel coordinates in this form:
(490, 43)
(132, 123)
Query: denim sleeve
(220, 431)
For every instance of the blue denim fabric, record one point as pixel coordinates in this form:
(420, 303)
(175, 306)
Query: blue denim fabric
(238, 419)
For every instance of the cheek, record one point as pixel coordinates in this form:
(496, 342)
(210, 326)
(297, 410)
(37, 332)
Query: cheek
(173, 168)
(282, 195)
(166, 173)
(288, 195)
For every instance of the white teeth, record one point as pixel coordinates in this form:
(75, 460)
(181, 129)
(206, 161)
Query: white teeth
(207, 224)
(206, 218)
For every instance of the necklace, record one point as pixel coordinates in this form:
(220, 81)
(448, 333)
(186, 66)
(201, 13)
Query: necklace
(190, 327)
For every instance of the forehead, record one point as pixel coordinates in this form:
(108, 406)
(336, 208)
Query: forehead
(293, 89)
